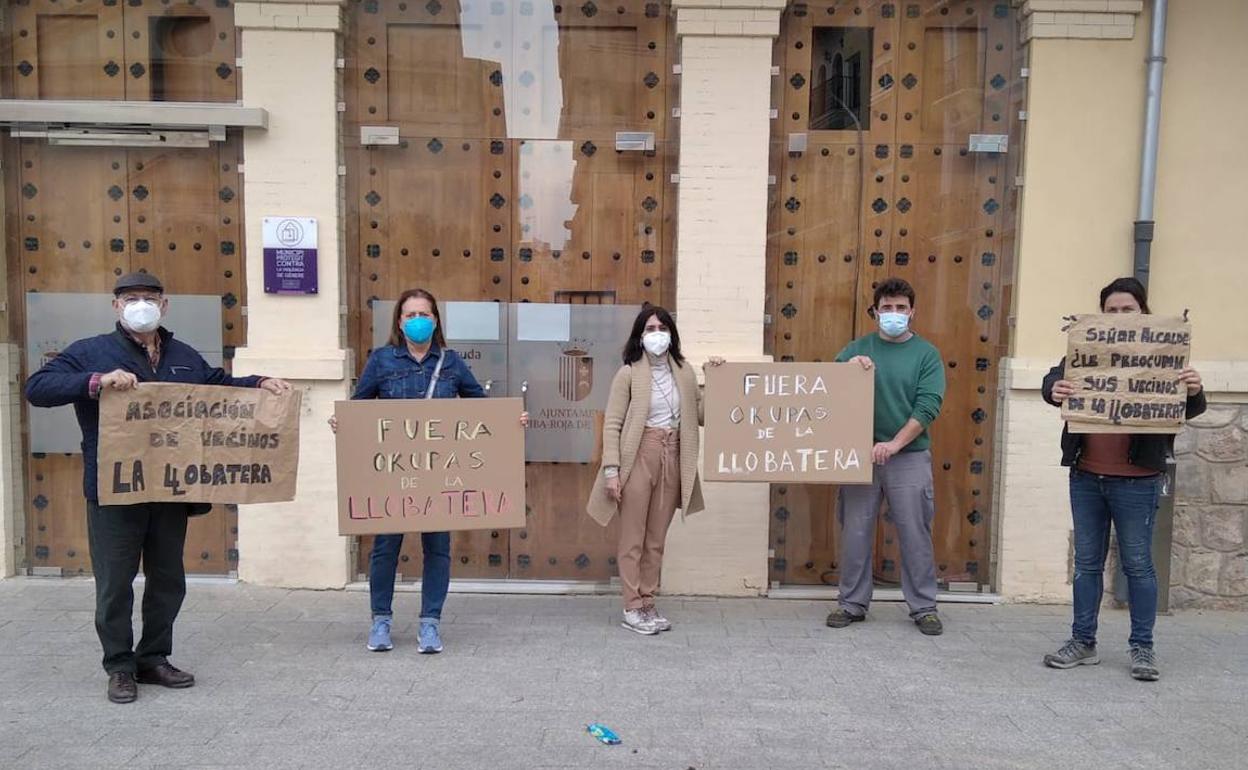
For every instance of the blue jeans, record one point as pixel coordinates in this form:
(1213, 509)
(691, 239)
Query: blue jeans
(383, 562)
(1131, 504)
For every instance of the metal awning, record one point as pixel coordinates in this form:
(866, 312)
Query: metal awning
(127, 124)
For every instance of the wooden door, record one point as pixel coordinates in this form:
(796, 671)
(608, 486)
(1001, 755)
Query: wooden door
(88, 215)
(887, 96)
(506, 186)
(136, 50)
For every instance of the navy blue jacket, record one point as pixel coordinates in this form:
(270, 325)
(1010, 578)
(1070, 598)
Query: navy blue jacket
(391, 372)
(66, 380)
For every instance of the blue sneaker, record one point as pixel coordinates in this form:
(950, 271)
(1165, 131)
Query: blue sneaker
(379, 636)
(430, 642)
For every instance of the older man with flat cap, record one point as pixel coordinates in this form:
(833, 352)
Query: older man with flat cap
(138, 350)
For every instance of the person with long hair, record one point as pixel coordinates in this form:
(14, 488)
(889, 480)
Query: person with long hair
(414, 364)
(649, 459)
(1115, 478)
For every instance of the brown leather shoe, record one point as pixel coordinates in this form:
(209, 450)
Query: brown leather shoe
(121, 687)
(166, 675)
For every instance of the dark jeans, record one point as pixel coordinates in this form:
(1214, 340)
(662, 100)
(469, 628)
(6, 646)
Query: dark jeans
(1131, 505)
(119, 536)
(383, 562)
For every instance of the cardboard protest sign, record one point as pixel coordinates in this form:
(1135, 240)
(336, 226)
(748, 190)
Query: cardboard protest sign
(429, 465)
(175, 443)
(1125, 367)
(799, 422)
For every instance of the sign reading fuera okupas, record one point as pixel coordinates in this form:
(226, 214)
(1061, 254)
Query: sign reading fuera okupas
(802, 422)
(1125, 367)
(429, 465)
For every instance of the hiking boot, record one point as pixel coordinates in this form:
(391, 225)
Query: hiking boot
(839, 618)
(1144, 664)
(660, 623)
(930, 625)
(639, 621)
(379, 634)
(1073, 653)
(430, 641)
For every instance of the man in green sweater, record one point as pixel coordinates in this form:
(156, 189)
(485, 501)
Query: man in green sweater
(909, 388)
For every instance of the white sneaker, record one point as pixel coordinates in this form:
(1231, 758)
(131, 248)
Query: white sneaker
(639, 621)
(660, 623)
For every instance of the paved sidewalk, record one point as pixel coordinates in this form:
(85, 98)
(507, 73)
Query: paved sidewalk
(285, 681)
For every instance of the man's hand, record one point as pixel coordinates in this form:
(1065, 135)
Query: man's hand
(119, 379)
(524, 419)
(884, 451)
(333, 423)
(1191, 378)
(276, 387)
(714, 361)
(1062, 390)
(863, 361)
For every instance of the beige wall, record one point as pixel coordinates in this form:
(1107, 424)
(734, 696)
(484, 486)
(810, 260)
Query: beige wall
(289, 60)
(721, 242)
(1200, 257)
(1081, 173)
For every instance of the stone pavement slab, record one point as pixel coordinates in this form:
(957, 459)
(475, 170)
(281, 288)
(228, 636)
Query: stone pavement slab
(284, 681)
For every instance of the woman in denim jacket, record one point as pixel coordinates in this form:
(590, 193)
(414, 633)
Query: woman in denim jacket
(414, 364)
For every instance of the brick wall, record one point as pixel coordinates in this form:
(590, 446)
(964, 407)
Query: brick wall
(1084, 19)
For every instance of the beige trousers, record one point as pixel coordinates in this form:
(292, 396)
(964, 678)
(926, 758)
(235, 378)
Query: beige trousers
(648, 503)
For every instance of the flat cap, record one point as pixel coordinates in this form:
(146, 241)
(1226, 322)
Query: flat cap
(138, 281)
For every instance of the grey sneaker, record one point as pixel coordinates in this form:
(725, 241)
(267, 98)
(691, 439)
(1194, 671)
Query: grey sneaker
(379, 634)
(1073, 653)
(930, 625)
(1144, 664)
(430, 640)
(839, 618)
(660, 623)
(639, 621)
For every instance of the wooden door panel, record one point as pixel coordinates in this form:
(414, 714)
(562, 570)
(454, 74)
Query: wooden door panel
(88, 215)
(560, 540)
(588, 220)
(541, 202)
(437, 215)
(932, 213)
(68, 52)
(182, 52)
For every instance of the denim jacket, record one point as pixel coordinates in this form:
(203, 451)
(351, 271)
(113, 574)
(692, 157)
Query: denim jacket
(392, 372)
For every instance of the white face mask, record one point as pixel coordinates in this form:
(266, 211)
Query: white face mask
(142, 316)
(656, 343)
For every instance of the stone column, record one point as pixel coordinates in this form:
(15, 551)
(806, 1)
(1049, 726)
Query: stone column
(721, 259)
(289, 59)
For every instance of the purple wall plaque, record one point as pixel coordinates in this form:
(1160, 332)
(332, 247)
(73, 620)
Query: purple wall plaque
(289, 255)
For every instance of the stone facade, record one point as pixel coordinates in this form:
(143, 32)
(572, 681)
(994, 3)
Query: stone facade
(1210, 550)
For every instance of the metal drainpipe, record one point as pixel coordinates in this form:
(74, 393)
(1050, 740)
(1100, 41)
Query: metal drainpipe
(1152, 126)
(1144, 225)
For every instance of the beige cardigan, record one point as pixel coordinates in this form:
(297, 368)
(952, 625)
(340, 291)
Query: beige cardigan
(627, 409)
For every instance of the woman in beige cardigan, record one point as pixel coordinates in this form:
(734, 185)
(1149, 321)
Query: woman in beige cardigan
(649, 459)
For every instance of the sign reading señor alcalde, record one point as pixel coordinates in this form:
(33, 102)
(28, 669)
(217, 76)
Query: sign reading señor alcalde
(1125, 367)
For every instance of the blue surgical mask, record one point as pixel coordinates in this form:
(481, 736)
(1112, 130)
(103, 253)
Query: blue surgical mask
(894, 324)
(418, 329)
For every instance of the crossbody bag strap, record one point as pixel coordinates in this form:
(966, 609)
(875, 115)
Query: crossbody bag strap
(437, 372)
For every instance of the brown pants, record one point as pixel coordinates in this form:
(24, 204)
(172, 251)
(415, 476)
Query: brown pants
(649, 501)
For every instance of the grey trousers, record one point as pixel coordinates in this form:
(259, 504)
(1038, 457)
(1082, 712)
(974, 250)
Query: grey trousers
(905, 481)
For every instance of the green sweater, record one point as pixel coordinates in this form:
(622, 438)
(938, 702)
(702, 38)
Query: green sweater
(909, 382)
